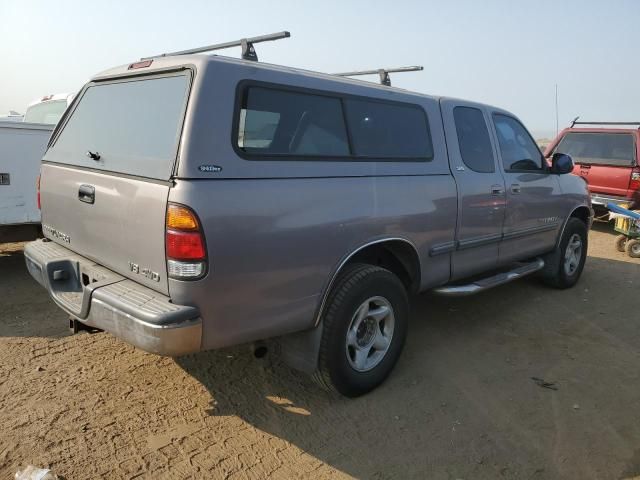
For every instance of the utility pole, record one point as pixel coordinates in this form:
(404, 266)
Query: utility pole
(556, 109)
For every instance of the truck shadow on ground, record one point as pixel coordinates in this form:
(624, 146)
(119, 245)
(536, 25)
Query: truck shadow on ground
(461, 401)
(26, 309)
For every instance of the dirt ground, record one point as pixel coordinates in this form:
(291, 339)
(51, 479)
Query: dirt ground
(461, 403)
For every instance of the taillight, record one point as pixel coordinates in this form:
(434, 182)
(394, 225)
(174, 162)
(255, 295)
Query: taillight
(38, 193)
(634, 184)
(185, 245)
(186, 250)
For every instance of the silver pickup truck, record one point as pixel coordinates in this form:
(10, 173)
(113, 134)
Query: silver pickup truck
(193, 202)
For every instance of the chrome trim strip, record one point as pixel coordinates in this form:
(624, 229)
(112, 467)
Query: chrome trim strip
(478, 241)
(442, 248)
(530, 231)
(327, 289)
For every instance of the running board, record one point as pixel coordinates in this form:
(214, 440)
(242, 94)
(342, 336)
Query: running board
(490, 282)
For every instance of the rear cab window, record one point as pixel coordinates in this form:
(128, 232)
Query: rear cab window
(614, 149)
(296, 125)
(133, 124)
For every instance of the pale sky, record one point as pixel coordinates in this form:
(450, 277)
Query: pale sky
(506, 53)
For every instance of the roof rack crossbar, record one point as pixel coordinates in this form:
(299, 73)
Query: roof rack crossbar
(576, 122)
(248, 50)
(382, 72)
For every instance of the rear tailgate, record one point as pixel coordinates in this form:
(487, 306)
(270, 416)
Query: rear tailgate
(604, 159)
(106, 176)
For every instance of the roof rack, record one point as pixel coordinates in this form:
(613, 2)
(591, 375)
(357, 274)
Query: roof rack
(248, 51)
(576, 122)
(383, 72)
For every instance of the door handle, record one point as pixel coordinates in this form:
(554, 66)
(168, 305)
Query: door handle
(496, 190)
(87, 194)
(515, 188)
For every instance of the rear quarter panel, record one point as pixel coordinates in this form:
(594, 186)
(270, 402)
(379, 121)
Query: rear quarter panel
(274, 244)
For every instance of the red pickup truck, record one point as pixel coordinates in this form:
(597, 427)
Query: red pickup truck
(607, 156)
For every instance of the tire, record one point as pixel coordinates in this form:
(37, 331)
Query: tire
(364, 330)
(620, 243)
(560, 271)
(633, 248)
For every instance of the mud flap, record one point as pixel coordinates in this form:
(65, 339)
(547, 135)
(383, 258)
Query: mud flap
(300, 350)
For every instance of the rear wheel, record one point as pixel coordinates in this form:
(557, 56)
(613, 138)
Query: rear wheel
(633, 248)
(364, 329)
(564, 265)
(620, 242)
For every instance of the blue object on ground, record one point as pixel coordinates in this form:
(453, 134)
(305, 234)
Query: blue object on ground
(623, 211)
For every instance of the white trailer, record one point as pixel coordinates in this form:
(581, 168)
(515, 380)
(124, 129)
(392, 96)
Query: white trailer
(22, 146)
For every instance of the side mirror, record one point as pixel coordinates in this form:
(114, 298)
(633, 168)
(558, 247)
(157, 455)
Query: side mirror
(561, 163)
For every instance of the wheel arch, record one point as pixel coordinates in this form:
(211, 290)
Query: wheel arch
(582, 212)
(396, 254)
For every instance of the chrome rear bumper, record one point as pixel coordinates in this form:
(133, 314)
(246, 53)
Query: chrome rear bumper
(602, 200)
(100, 298)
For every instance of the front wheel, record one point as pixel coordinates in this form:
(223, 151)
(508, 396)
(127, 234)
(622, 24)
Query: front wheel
(633, 248)
(564, 265)
(364, 329)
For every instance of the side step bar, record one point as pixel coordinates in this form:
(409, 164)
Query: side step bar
(489, 282)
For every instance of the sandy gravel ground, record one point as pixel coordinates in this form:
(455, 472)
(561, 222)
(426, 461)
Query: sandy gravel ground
(461, 404)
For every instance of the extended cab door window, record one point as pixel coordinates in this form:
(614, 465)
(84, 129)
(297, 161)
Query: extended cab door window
(473, 139)
(519, 151)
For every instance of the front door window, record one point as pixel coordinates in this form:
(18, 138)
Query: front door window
(519, 151)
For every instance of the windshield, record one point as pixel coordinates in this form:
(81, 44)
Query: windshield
(130, 127)
(616, 149)
(46, 112)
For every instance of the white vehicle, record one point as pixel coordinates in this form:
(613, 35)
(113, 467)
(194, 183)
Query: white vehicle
(48, 109)
(22, 146)
(11, 117)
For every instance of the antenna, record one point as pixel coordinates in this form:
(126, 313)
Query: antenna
(382, 72)
(248, 51)
(557, 128)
